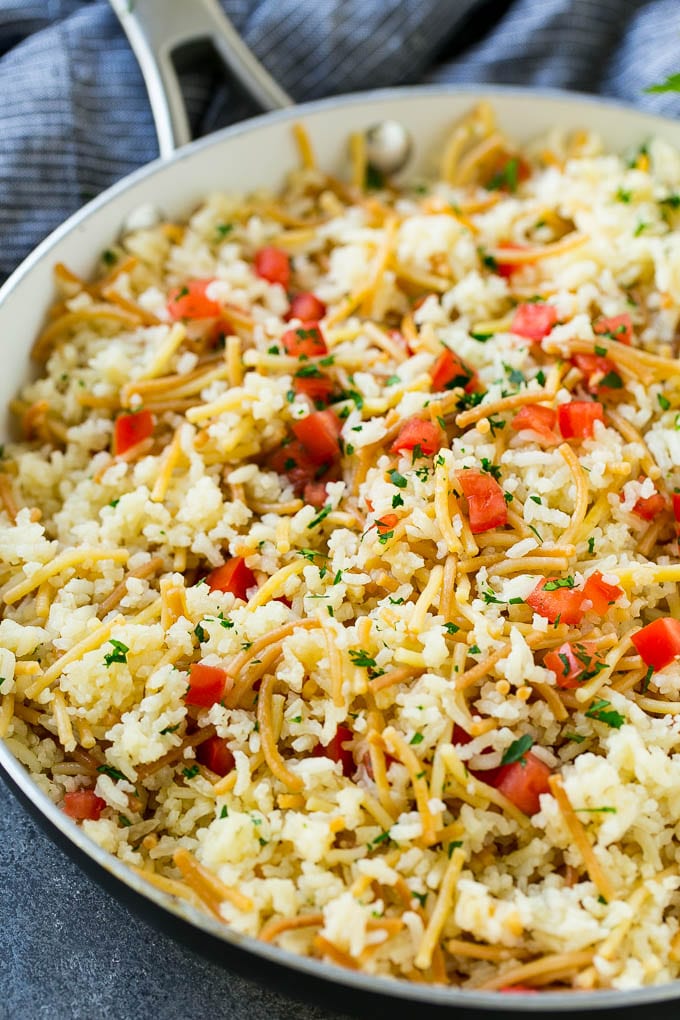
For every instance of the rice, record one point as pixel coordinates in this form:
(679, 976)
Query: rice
(400, 733)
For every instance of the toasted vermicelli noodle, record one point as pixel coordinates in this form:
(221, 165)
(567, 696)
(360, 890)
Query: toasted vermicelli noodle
(340, 562)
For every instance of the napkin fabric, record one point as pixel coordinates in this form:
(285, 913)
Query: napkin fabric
(74, 115)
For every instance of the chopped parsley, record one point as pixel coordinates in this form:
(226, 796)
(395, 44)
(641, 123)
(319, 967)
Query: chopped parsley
(600, 710)
(222, 229)
(591, 545)
(109, 257)
(417, 738)
(224, 813)
(611, 381)
(397, 479)
(491, 468)
(451, 628)
(671, 84)
(577, 738)
(664, 402)
(320, 516)
(170, 729)
(623, 196)
(190, 772)
(597, 810)
(452, 846)
(517, 750)
(108, 770)
(559, 582)
(200, 633)
(362, 658)
(124, 821)
(119, 653)
(506, 178)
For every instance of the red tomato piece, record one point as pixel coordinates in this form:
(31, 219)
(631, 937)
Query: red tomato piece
(215, 755)
(305, 341)
(658, 643)
(599, 373)
(293, 461)
(600, 593)
(419, 433)
(131, 429)
(538, 419)
(676, 505)
(386, 523)
(450, 370)
(190, 301)
(572, 664)
(207, 685)
(522, 782)
(649, 507)
(577, 418)
(315, 494)
(273, 265)
(552, 598)
(319, 388)
(618, 327)
(506, 269)
(336, 750)
(487, 508)
(533, 321)
(319, 433)
(233, 576)
(83, 804)
(306, 307)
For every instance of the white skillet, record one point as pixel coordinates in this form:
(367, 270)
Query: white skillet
(254, 154)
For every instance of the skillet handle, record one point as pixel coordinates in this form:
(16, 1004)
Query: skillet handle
(157, 28)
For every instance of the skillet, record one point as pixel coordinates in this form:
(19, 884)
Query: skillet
(258, 154)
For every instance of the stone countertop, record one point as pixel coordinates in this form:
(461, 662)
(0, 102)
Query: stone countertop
(70, 951)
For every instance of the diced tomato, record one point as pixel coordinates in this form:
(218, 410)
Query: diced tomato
(315, 494)
(319, 388)
(449, 371)
(83, 804)
(538, 419)
(487, 508)
(190, 301)
(386, 523)
(572, 664)
(618, 327)
(131, 429)
(523, 782)
(233, 576)
(600, 593)
(306, 307)
(577, 418)
(336, 751)
(649, 507)
(658, 643)
(416, 432)
(207, 685)
(215, 755)
(599, 373)
(319, 433)
(506, 269)
(304, 341)
(558, 601)
(293, 461)
(533, 321)
(676, 505)
(273, 265)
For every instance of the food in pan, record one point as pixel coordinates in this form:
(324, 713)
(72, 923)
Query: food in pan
(340, 562)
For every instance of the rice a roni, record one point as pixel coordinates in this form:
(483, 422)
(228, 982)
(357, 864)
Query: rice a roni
(340, 563)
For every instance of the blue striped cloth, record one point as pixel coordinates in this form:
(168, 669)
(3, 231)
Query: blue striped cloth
(75, 117)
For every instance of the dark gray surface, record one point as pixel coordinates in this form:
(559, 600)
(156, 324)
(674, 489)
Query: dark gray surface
(69, 951)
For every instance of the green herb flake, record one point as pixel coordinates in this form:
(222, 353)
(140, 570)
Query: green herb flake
(600, 710)
(417, 738)
(397, 479)
(517, 750)
(591, 545)
(639, 229)
(320, 516)
(451, 628)
(190, 772)
(382, 838)
(374, 180)
(576, 738)
(506, 178)
(600, 351)
(119, 653)
(597, 810)
(109, 257)
(108, 770)
(453, 846)
(124, 821)
(360, 657)
(224, 813)
(223, 229)
(170, 729)
(397, 500)
(474, 650)
(611, 381)
(671, 84)
(559, 582)
(664, 402)
(200, 633)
